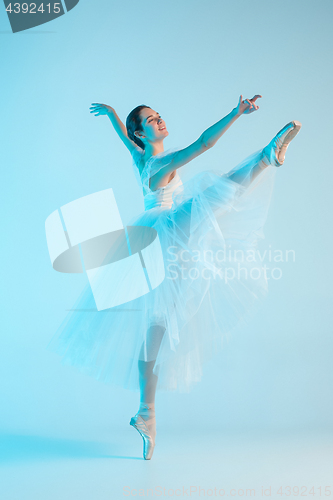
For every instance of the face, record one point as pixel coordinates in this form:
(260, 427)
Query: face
(154, 128)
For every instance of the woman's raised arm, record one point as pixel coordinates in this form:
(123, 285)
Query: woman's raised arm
(104, 109)
(210, 136)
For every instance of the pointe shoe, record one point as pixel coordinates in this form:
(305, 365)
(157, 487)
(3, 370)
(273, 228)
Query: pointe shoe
(148, 442)
(275, 152)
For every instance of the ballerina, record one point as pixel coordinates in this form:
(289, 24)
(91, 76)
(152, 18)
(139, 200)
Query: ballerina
(167, 334)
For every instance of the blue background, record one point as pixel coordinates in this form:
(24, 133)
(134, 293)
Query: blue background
(190, 61)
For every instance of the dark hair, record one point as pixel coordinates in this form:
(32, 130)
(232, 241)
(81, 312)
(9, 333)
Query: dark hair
(133, 124)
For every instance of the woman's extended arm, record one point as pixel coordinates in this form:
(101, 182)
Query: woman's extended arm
(210, 136)
(104, 109)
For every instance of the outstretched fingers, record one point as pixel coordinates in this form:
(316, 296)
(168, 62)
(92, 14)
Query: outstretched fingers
(248, 105)
(98, 105)
(246, 102)
(253, 100)
(97, 108)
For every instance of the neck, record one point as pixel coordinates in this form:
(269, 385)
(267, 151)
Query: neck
(152, 149)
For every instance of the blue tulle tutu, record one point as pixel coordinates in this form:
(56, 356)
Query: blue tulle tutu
(208, 228)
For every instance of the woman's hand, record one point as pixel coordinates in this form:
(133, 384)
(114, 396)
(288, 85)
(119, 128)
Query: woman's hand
(100, 109)
(247, 106)
(104, 109)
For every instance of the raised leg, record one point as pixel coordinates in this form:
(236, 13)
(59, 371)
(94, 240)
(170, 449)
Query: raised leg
(243, 174)
(246, 174)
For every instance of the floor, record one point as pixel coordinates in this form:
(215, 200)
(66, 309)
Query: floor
(186, 465)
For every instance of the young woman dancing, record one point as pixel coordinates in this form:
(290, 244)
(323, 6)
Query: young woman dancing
(161, 339)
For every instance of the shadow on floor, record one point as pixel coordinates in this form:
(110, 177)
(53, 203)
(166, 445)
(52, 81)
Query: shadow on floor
(21, 448)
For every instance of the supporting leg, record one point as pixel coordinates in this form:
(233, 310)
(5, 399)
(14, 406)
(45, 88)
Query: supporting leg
(148, 379)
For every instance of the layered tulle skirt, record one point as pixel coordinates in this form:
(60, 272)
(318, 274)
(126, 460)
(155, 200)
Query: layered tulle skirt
(214, 282)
